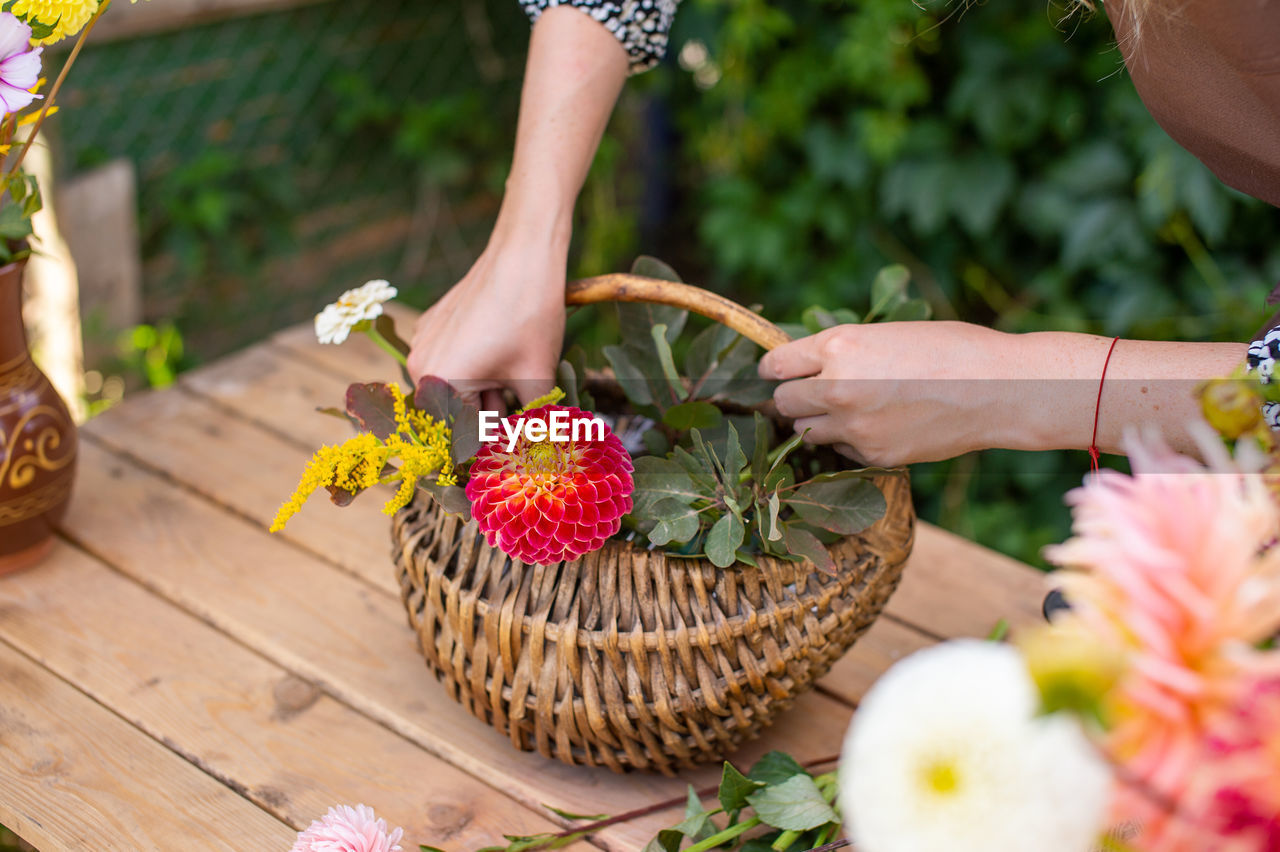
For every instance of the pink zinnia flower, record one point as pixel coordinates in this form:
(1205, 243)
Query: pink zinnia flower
(19, 64)
(347, 829)
(1173, 567)
(550, 500)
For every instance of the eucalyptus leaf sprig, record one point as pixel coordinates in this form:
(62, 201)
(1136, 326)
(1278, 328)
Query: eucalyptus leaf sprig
(776, 806)
(731, 507)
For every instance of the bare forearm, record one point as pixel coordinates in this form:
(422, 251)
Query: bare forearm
(1147, 382)
(575, 70)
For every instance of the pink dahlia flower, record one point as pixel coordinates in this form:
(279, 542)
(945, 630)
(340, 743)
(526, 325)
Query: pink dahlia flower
(19, 64)
(1173, 567)
(550, 500)
(347, 829)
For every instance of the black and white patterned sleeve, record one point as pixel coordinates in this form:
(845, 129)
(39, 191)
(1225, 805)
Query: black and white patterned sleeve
(1264, 359)
(641, 26)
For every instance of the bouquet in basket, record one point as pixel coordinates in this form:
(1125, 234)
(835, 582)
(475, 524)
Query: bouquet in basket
(686, 460)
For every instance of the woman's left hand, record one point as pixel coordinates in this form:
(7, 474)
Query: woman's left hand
(900, 392)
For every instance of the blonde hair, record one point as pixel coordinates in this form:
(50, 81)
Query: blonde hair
(1135, 10)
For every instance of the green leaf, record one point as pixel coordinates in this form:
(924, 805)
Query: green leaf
(465, 430)
(665, 357)
(723, 541)
(334, 411)
(735, 460)
(780, 477)
(15, 224)
(845, 506)
(567, 380)
(697, 824)
(694, 414)
(774, 768)
(635, 384)
(650, 267)
(452, 498)
(700, 470)
(657, 479)
(636, 319)
(801, 542)
(735, 787)
(912, 310)
(745, 387)
(853, 473)
(668, 840)
(677, 521)
(774, 533)
(816, 319)
(795, 804)
(785, 449)
(39, 29)
(708, 453)
(707, 349)
(760, 449)
(373, 407)
(422, 847)
(576, 817)
(888, 289)
(656, 443)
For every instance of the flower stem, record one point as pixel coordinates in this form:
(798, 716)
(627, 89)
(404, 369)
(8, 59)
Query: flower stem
(786, 840)
(728, 834)
(386, 346)
(57, 86)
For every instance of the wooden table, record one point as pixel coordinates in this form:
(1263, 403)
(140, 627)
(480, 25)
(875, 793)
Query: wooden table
(176, 678)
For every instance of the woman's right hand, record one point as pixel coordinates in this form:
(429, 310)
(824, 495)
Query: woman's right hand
(501, 326)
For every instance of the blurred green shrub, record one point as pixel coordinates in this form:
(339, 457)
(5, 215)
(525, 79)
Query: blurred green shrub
(1007, 161)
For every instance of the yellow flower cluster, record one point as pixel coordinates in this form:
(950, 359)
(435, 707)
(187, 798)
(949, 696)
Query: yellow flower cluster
(420, 443)
(67, 17)
(546, 399)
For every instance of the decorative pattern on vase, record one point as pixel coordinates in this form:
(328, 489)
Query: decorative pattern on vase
(37, 438)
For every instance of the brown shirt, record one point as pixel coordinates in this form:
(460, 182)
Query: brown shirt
(1209, 71)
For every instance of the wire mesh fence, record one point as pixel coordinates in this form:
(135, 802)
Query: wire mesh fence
(285, 156)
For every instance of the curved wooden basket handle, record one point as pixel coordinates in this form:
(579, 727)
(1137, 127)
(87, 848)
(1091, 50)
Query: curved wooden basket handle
(621, 287)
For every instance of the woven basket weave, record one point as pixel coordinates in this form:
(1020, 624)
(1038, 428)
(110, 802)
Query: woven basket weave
(627, 658)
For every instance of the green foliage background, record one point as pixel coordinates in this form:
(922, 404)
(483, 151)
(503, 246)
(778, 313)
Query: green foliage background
(782, 154)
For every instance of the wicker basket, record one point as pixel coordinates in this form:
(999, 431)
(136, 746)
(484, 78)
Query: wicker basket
(626, 658)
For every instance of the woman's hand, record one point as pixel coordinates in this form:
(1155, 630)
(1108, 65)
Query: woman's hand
(501, 326)
(895, 393)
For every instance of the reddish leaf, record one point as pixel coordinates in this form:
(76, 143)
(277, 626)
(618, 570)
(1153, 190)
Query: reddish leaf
(340, 496)
(800, 541)
(373, 408)
(466, 433)
(434, 396)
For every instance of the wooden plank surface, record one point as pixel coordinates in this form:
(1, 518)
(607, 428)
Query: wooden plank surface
(256, 727)
(353, 641)
(175, 492)
(77, 777)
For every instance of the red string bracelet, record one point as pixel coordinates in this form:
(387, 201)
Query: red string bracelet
(1093, 444)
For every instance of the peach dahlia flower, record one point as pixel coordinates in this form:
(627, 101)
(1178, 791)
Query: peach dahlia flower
(1174, 568)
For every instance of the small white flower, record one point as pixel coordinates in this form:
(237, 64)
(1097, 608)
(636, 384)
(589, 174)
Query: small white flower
(335, 322)
(946, 753)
